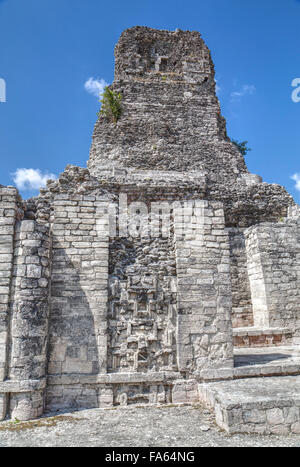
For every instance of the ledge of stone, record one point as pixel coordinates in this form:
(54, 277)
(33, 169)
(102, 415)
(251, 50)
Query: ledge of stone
(113, 378)
(263, 370)
(22, 386)
(255, 331)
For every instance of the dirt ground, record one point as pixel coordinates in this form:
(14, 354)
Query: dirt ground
(164, 426)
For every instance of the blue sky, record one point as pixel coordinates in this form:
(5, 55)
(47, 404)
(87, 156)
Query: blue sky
(49, 49)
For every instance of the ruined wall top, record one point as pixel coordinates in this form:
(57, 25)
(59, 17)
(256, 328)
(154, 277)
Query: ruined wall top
(143, 51)
(171, 117)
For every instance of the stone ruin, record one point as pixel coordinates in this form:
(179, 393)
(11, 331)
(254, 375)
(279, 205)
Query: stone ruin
(164, 272)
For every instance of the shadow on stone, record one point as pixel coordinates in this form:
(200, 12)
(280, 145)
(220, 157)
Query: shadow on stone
(262, 359)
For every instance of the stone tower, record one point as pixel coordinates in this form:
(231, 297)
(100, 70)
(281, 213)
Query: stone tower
(171, 122)
(171, 115)
(136, 279)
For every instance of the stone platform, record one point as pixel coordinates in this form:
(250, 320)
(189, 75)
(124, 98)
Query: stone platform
(266, 361)
(256, 405)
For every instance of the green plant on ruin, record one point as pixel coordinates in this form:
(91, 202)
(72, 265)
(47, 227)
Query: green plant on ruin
(242, 146)
(111, 106)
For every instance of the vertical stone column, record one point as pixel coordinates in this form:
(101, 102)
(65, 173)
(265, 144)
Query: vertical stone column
(204, 334)
(79, 289)
(30, 313)
(273, 252)
(256, 277)
(8, 214)
(100, 298)
(242, 314)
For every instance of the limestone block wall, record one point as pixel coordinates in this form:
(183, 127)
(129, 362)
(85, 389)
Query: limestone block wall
(115, 337)
(8, 214)
(29, 316)
(78, 325)
(273, 254)
(26, 316)
(92, 319)
(242, 315)
(204, 331)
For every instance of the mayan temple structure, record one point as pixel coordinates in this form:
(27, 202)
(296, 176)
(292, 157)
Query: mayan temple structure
(164, 272)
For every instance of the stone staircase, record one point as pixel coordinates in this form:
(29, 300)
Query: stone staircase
(256, 405)
(262, 396)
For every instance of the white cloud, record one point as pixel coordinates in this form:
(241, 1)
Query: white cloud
(31, 179)
(218, 87)
(246, 89)
(296, 178)
(95, 86)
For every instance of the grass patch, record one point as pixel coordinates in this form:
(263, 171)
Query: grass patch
(42, 422)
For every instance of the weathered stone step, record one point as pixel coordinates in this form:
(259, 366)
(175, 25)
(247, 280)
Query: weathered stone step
(260, 405)
(266, 361)
(256, 362)
(261, 337)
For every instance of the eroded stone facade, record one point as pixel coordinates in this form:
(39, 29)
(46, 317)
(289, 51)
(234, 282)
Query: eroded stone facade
(104, 298)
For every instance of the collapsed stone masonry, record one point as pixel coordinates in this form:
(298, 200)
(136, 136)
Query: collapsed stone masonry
(104, 299)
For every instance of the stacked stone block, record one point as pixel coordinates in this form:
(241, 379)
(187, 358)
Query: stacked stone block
(258, 405)
(204, 334)
(242, 314)
(8, 215)
(78, 328)
(29, 316)
(273, 252)
(9, 211)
